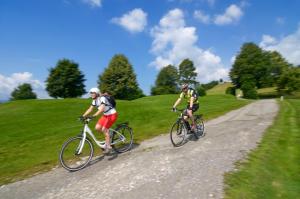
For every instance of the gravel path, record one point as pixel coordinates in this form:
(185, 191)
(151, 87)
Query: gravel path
(156, 169)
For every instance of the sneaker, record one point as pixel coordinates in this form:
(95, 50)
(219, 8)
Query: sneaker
(107, 150)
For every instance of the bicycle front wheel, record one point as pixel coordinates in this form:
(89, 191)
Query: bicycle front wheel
(71, 158)
(122, 139)
(178, 133)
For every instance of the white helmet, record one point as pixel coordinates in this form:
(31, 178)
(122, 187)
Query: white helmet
(95, 90)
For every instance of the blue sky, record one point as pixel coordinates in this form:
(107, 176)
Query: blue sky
(35, 34)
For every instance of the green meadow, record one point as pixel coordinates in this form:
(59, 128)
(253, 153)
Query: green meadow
(33, 131)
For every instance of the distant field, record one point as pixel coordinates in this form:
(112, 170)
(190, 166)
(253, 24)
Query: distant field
(219, 89)
(32, 131)
(272, 170)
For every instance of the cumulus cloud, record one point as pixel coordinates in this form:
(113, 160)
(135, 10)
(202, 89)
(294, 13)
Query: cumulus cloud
(288, 46)
(8, 84)
(232, 15)
(201, 16)
(93, 3)
(173, 42)
(134, 21)
(267, 40)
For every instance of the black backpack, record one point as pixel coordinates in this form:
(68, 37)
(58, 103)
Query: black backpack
(111, 100)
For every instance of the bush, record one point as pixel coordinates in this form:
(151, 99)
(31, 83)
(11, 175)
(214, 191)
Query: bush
(201, 91)
(249, 90)
(22, 92)
(231, 91)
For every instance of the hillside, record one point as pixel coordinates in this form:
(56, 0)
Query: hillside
(32, 131)
(219, 89)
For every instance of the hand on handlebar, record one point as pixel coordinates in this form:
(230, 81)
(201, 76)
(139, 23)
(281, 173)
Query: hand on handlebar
(83, 118)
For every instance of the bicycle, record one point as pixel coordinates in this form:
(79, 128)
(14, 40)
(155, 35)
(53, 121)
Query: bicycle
(181, 128)
(77, 152)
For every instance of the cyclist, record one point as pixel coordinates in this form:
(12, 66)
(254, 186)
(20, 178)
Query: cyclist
(110, 115)
(192, 99)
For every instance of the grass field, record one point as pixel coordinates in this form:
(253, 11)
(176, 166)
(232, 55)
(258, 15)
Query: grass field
(32, 131)
(272, 170)
(219, 89)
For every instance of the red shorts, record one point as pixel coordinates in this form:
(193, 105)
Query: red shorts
(107, 120)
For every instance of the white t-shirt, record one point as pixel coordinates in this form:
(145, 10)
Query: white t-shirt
(108, 110)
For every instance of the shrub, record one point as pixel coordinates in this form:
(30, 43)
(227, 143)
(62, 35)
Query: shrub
(231, 91)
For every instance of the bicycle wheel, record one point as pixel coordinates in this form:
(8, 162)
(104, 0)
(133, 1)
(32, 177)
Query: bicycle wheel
(199, 132)
(69, 157)
(122, 139)
(178, 133)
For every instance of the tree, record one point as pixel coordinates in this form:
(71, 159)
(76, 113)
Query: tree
(166, 82)
(253, 61)
(248, 87)
(119, 79)
(22, 92)
(290, 80)
(200, 90)
(187, 72)
(65, 80)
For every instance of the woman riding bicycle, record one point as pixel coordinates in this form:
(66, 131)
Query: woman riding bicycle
(110, 115)
(192, 99)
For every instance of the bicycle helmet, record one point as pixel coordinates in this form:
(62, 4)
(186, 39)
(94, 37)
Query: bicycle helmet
(184, 86)
(94, 90)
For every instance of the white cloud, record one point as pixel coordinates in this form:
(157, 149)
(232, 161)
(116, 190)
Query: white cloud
(201, 16)
(232, 15)
(232, 60)
(93, 3)
(174, 42)
(288, 46)
(267, 40)
(8, 84)
(134, 21)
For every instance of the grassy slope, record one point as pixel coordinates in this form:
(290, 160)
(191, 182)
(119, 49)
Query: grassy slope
(219, 89)
(272, 170)
(32, 131)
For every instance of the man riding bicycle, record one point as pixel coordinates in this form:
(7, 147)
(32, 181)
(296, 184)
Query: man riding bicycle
(192, 99)
(110, 115)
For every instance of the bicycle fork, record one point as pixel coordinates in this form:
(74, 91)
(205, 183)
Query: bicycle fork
(81, 144)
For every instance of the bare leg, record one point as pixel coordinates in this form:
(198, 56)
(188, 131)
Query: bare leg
(107, 138)
(190, 113)
(101, 129)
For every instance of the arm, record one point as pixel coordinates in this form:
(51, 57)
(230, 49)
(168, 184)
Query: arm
(87, 112)
(191, 102)
(100, 110)
(177, 102)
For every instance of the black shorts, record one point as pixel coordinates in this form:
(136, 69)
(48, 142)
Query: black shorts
(194, 108)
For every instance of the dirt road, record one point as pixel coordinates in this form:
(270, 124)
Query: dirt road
(156, 169)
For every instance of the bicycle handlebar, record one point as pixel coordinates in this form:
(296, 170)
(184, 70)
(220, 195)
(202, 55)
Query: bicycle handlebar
(85, 119)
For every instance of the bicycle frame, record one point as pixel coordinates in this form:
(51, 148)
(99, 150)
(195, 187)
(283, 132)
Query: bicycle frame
(87, 130)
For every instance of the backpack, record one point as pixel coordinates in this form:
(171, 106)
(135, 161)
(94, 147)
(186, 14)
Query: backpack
(111, 100)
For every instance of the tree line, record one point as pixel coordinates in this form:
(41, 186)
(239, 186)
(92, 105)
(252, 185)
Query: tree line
(253, 68)
(256, 68)
(65, 80)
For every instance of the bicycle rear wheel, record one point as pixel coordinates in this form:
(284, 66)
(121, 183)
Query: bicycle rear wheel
(69, 156)
(178, 133)
(122, 139)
